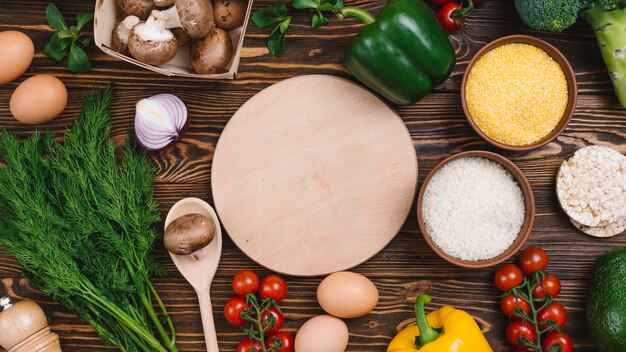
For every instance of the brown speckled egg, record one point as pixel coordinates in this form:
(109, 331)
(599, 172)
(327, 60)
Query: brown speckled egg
(38, 99)
(17, 54)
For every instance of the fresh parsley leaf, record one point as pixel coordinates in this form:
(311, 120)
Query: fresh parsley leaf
(54, 17)
(276, 41)
(64, 33)
(56, 48)
(318, 20)
(270, 15)
(274, 14)
(67, 40)
(305, 4)
(82, 18)
(77, 60)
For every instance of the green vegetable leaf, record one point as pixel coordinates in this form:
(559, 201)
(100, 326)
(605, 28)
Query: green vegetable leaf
(318, 20)
(74, 30)
(82, 18)
(276, 41)
(64, 33)
(305, 4)
(270, 15)
(54, 17)
(86, 42)
(56, 48)
(326, 7)
(77, 60)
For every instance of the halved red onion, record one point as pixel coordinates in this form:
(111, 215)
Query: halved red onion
(160, 121)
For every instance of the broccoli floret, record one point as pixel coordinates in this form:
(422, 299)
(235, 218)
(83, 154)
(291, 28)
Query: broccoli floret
(550, 15)
(607, 5)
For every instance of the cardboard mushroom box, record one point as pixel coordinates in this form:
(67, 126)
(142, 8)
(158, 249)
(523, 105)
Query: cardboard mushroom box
(189, 38)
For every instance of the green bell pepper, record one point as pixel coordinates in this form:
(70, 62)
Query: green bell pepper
(403, 54)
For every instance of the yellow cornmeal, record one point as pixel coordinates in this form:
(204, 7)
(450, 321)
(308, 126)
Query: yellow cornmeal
(516, 94)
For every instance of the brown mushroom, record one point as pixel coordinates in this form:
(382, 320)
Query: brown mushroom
(119, 38)
(229, 14)
(139, 8)
(194, 16)
(189, 233)
(151, 42)
(163, 3)
(213, 53)
(182, 37)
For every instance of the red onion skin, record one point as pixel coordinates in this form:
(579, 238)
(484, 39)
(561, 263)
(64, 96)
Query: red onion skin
(140, 133)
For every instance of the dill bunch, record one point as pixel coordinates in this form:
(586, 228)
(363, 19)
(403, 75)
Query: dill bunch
(80, 218)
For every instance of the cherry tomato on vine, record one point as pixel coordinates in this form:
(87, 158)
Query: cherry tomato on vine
(557, 338)
(447, 17)
(247, 345)
(509, 303)
(273, 286)
(441, 2)
(518, 329)
(245, 282)
(533, 259)
(508, 276)
(285, 338)
(233, 309)
(555, 312)
(278, 320)
(551, 285)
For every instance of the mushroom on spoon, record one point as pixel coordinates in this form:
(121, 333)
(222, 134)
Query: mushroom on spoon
(199, 266)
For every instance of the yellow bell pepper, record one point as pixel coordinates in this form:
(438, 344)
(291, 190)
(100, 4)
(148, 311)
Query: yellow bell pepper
(444, 330)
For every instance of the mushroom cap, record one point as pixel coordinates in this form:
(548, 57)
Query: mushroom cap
(163, 3)
(118, 44)
(213, 53)
(151, 52)
(229, 14)
(189, 233)
(139, 8)
(196, 17)
(181, 36)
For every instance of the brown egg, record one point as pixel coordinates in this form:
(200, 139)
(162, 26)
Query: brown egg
(347, 295)
(17, 54)
(322, 333)
(38, 99)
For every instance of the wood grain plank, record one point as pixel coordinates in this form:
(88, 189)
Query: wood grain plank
(407, 266)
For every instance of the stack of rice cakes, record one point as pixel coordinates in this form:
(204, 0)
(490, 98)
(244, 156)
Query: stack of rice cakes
(591, 187)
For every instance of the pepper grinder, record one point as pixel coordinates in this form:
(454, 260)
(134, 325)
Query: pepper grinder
(24, 328)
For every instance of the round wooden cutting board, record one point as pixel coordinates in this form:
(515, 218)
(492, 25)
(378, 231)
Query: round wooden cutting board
(313, 175)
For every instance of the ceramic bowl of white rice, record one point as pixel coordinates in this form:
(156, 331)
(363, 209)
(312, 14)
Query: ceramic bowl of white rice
(476, 209)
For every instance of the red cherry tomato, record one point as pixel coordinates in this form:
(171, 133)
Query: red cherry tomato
(245, 282)
(286, 340)
(233, 309)
(509, 304)
(277, 323)
(248, 345)
(555, 312)
(551, 285)
(518, 329)
(273, 286)
(533, 259)
(557, 338)
(446, 19)
(508, 277)
(441, 2)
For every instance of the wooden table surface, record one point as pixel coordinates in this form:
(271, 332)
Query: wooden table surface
(407, 267)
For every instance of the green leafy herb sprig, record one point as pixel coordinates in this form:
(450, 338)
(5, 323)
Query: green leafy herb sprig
(274, 14)
(67, 41)
(277, 14)
(79, 216)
